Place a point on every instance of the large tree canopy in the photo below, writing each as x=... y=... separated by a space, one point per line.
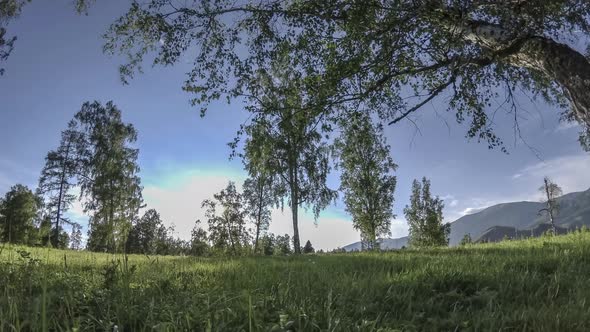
x=471 y=52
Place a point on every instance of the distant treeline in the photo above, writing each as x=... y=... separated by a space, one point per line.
x=95 y=163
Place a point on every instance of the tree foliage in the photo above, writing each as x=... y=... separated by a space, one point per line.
x=258 y=199
x=109 y=180
x=9 y=10
x=282 y=245
x=199 y=245
x=467 y=54
x=308 y=248
x=58 y=178
x=143 y=237
x=19 y=210
x=286 y=138
x=76 y=237
x=226 y=219
x=366 y=178
x=424 y=216
x=466 y=240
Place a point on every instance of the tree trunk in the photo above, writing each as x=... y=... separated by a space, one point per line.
x=229 y=233
x=559 y=62
x=569 y=68
x=60 y=195
x=259 y=216
x=294 y=209
x=257 y=231
x=294 y=187
x=550 y=206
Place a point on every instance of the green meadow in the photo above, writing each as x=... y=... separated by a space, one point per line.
x=532 y=285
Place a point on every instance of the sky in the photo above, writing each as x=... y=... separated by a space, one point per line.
x=58 y=64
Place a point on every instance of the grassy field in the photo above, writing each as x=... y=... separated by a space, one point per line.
x=534 y=285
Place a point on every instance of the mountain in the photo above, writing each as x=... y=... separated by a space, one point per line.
x=509 y=219
x=574 y=212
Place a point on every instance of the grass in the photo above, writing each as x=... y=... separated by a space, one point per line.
x=533 y=285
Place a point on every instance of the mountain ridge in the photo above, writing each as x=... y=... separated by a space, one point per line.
x=523 y=216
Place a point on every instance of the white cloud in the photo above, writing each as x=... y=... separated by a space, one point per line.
x=76 y=212
x=472 y=210
x=399 y=228
x=328 y=233
x=178 y=196
x=571 y=172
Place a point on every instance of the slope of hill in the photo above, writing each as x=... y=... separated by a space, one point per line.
x=507 y=219
x=499 y=233
x=574 y=212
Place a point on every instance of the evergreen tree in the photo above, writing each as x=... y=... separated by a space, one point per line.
x=226 y=219
x=109 y=179
x=57 y=177
x=308 y=248
x=551 y=192
x=424 y=216
x=366 y=178
x=19 y=210
x=76 y=237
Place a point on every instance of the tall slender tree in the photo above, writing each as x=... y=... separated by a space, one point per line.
x=259 y=198
x=109 y=179
x=425 y=218
x=366 y=179
x=551 y=191
x=288 y=130
x=58 y=177
x=76 y=237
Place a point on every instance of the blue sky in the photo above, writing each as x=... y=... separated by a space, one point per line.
x=58 y=64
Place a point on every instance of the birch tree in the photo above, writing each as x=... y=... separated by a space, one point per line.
x=226 y=220
x=289 y=132
x=109 y=179
x=551 y=191
x=366 y=179
x=258 y=199
x=466 y=54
